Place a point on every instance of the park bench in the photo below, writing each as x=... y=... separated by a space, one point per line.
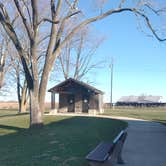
x=108 y=153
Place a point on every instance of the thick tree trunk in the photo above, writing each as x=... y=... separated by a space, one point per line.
x=36 y=116
x=50 y=59
x=44 y=79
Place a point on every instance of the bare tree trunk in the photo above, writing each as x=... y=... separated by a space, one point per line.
x=43 y=86
x=50 y=58
x=36 y=112
x=23 y=102
x=1 y=76
x=24 y=97
x=2 y=63
x=21 y=91
x=36 y=120
x=23 y=106
x=18 y=90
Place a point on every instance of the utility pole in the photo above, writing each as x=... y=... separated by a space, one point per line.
x=111 y=85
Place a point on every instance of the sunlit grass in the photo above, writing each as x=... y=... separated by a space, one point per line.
x=63 y=140
x=153 y=114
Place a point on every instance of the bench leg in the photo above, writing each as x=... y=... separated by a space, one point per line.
x=112 y=160
x=120 y=160
x=119 y=157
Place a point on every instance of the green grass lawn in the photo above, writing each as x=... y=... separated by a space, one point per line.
x=64 y=141
x=7 y=112
x=153 y=114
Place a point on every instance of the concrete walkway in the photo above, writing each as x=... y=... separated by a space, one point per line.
x=145 y=144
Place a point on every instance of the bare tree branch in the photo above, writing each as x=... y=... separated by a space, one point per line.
x=41 y=40
x=108 y=13
x=12 y=34
x=28 y=11
x=47 y=20
x=157 y=12
x=78 y=57
x=72 y=5
x=24 y=20
x=149 y=25
x=14 y=20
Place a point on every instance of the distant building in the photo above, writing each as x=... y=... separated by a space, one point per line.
x=142 y=100
x=77 y=97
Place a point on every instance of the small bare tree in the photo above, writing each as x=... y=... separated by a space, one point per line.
x=76 y=59
x=17 y=74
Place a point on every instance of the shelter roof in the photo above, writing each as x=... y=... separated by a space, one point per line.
x=76 y=82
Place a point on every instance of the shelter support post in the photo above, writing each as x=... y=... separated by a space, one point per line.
x=52 y=100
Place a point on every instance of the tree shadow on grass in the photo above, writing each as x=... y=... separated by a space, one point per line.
x=11 y=128
x=57 y=142
x=10 y=115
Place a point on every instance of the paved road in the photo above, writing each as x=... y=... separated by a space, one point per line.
x=145 y=144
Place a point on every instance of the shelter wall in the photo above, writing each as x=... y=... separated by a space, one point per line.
x=63 y=103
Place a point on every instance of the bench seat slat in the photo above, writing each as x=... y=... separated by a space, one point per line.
x=101 y=152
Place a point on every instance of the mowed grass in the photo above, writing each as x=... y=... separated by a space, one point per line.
x=6 y=112
x=64 y=141
x=153 y=114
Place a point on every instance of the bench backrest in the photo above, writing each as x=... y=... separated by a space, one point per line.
x=118 y=137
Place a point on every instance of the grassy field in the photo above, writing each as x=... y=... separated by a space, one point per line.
x=153 y=114
x=64 y=141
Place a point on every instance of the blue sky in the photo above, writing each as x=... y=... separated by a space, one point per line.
x=139 y=60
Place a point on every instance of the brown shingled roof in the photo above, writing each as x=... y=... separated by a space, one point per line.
x=87 y=86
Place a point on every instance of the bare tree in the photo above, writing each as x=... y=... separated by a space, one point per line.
x=59 y=15
x=21 y=84
x=14 y=74
x=76 y=59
